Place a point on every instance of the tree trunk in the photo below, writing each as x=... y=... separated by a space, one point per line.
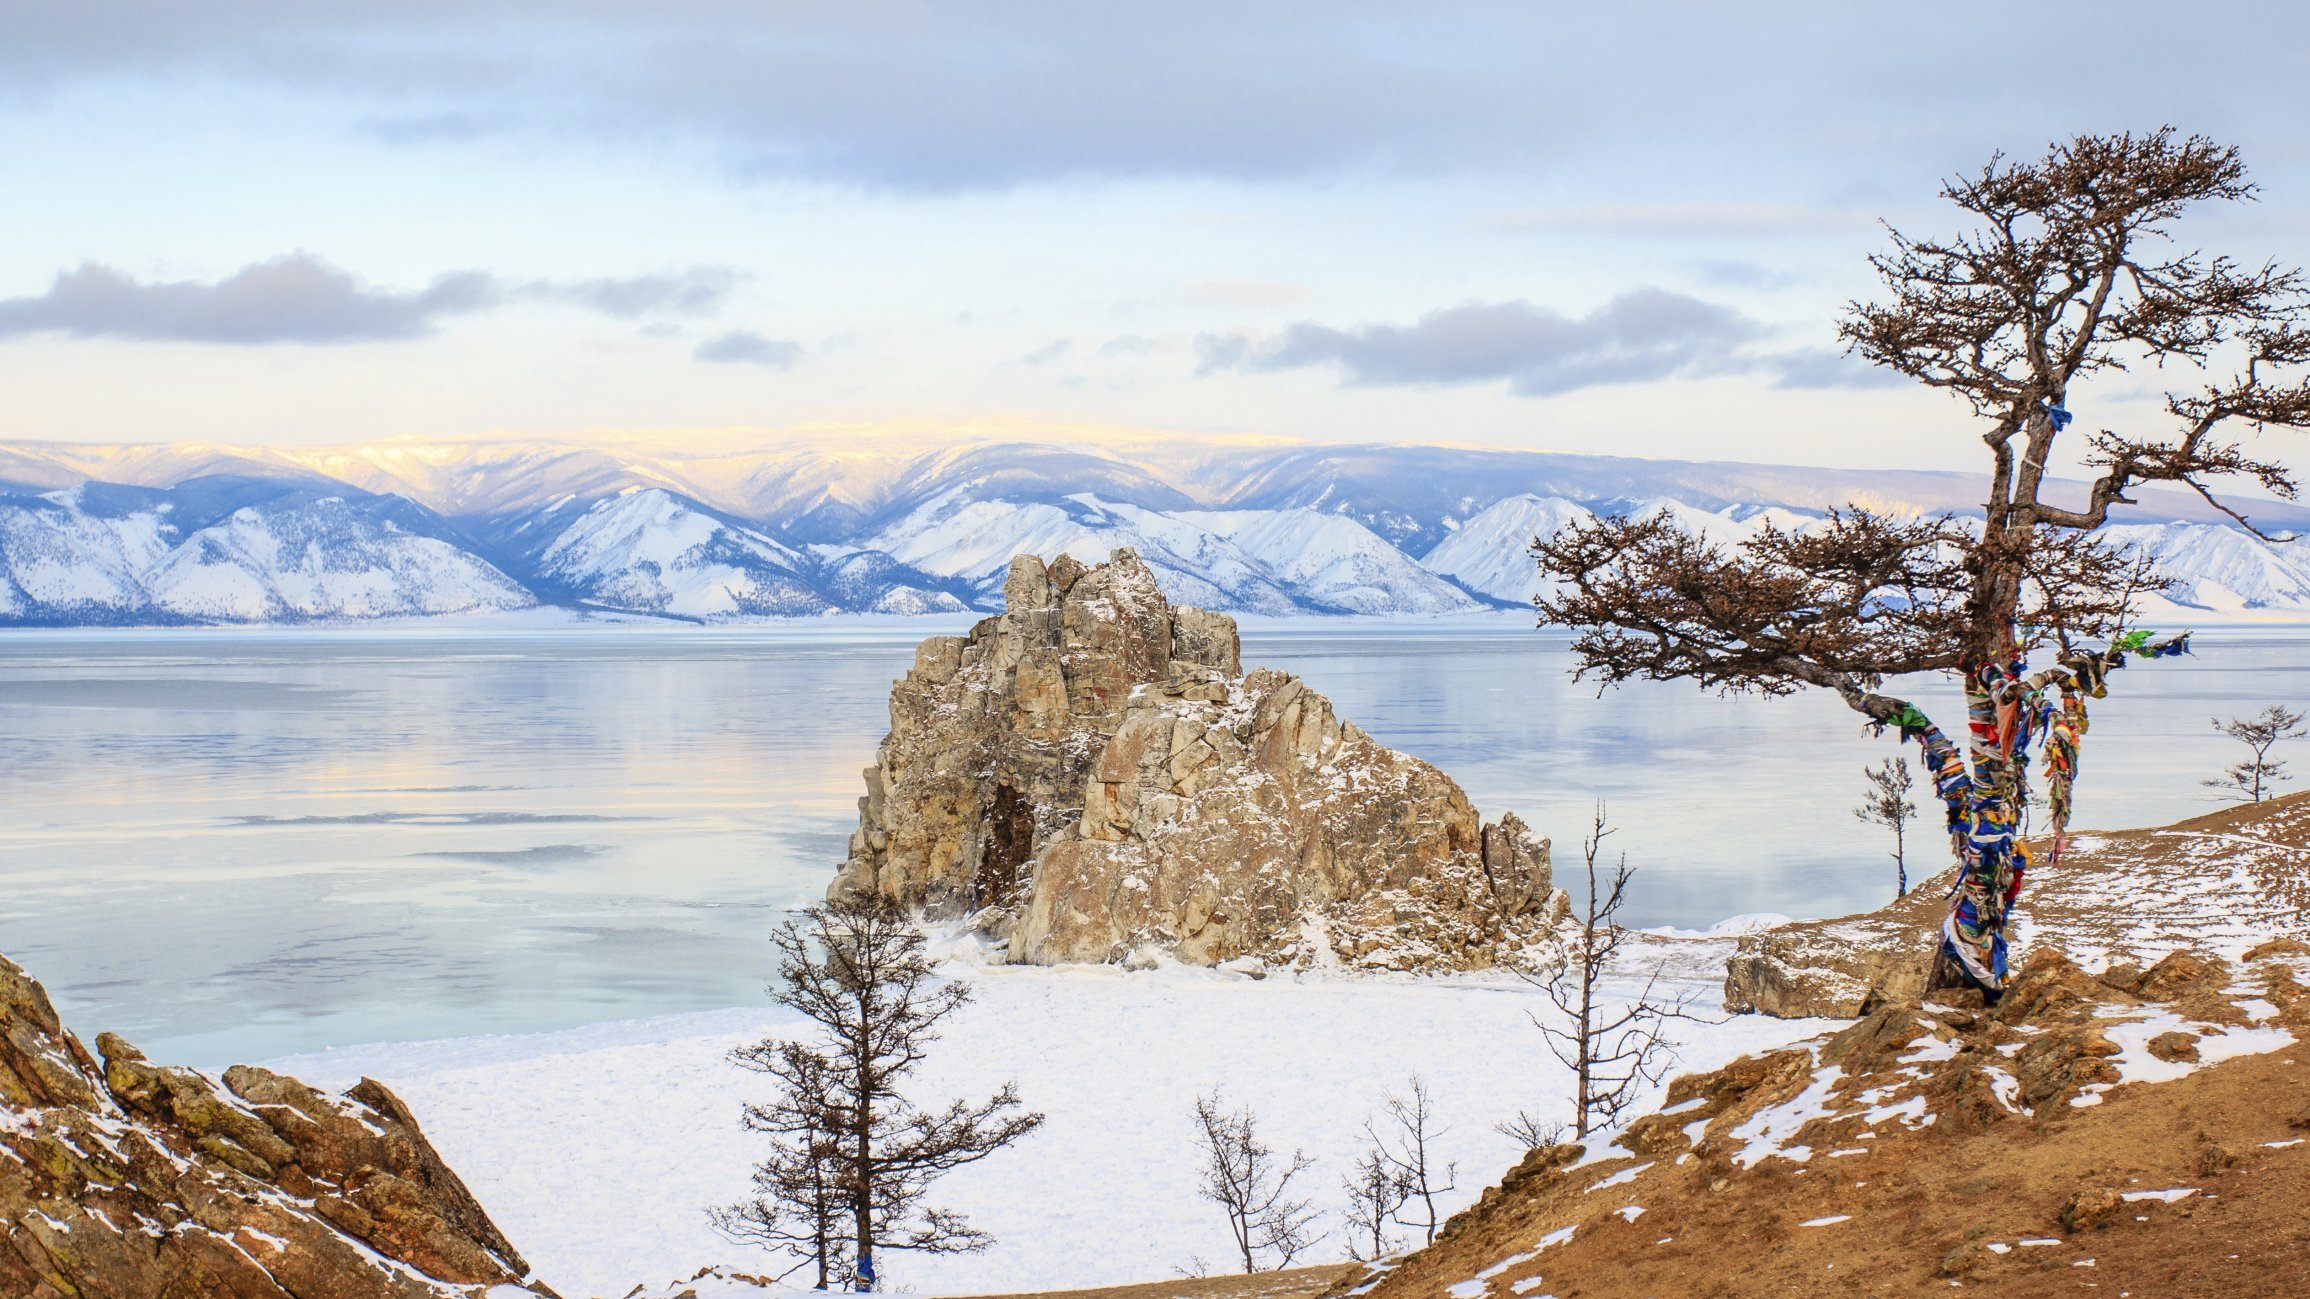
x=862 y=1201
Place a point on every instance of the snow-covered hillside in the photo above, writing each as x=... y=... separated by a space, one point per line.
x=109 y=555
x=821 y=527
x=645 y=549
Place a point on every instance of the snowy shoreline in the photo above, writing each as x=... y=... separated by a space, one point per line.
x=599 y=1149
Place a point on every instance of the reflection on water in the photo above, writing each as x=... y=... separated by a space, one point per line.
x=239 y=845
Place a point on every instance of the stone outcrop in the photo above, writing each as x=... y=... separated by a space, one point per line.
x=1840 y=968
x=1094 y=778
x=131 y=1180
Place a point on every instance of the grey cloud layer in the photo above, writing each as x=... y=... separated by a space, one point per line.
x=941 y=96
x=1645 y=335
x=744 y=347
x=301 y=299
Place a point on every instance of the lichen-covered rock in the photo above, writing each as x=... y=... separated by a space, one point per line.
x=1091 y=775
x=132 y=1180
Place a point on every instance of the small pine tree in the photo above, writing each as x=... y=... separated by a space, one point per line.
x=1887 y=804
x=853 y=1151
x=2258 y=776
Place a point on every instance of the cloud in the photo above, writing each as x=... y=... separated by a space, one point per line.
x=292 y=299
x=299 y=298
x=1643 y=335
x=743 y=347
x=1048 y=352
x=1126 y=345
x=916 y=96
x=1594 y=103
x=696 y=291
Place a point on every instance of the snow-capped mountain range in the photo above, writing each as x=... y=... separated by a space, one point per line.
x=840 y=523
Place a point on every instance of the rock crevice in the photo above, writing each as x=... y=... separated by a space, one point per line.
x=1094 y=778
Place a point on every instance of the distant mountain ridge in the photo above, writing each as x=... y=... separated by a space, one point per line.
x=198 y=533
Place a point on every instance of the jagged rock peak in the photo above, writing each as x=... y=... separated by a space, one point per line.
x=132 y=1180
x=1094 y=778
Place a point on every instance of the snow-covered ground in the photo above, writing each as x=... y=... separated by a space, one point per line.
x=599 y=1150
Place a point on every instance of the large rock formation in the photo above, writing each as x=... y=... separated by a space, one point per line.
x=1091 y=775
x=140 y=1181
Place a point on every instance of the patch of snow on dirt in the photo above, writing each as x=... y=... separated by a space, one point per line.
x=1768 y=1128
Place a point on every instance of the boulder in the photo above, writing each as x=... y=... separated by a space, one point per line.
x=1092 y=777
x=1838 y=969
x=140 y=1181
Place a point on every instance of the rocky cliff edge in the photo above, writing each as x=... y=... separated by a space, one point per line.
x=131 y=1180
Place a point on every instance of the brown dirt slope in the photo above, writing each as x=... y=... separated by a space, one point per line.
x=2219 y=883
x=1938 y=1146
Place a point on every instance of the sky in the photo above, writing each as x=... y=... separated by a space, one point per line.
x=1625 y=228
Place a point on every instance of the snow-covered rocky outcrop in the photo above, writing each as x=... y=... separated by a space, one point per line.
x=1092 y=777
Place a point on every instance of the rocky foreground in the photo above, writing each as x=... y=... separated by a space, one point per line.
x=2151 y=1125
x=2133 y=1117
x=2223 y=882
x=130 y=1180
x=1092 y=777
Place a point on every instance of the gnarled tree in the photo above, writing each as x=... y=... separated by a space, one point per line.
x=2065 y=272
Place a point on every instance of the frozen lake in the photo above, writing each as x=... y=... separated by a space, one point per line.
x=236 y=845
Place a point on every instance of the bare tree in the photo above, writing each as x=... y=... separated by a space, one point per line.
x=1245 y=1178
x=1530 y=1132
x=799 y=1204
x=1887 y=804
x=1403 y=1150
x=2254 y=779
x=2063 y=274
x=1613 y=1053
x=1375 y=1191
x=857 y=971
